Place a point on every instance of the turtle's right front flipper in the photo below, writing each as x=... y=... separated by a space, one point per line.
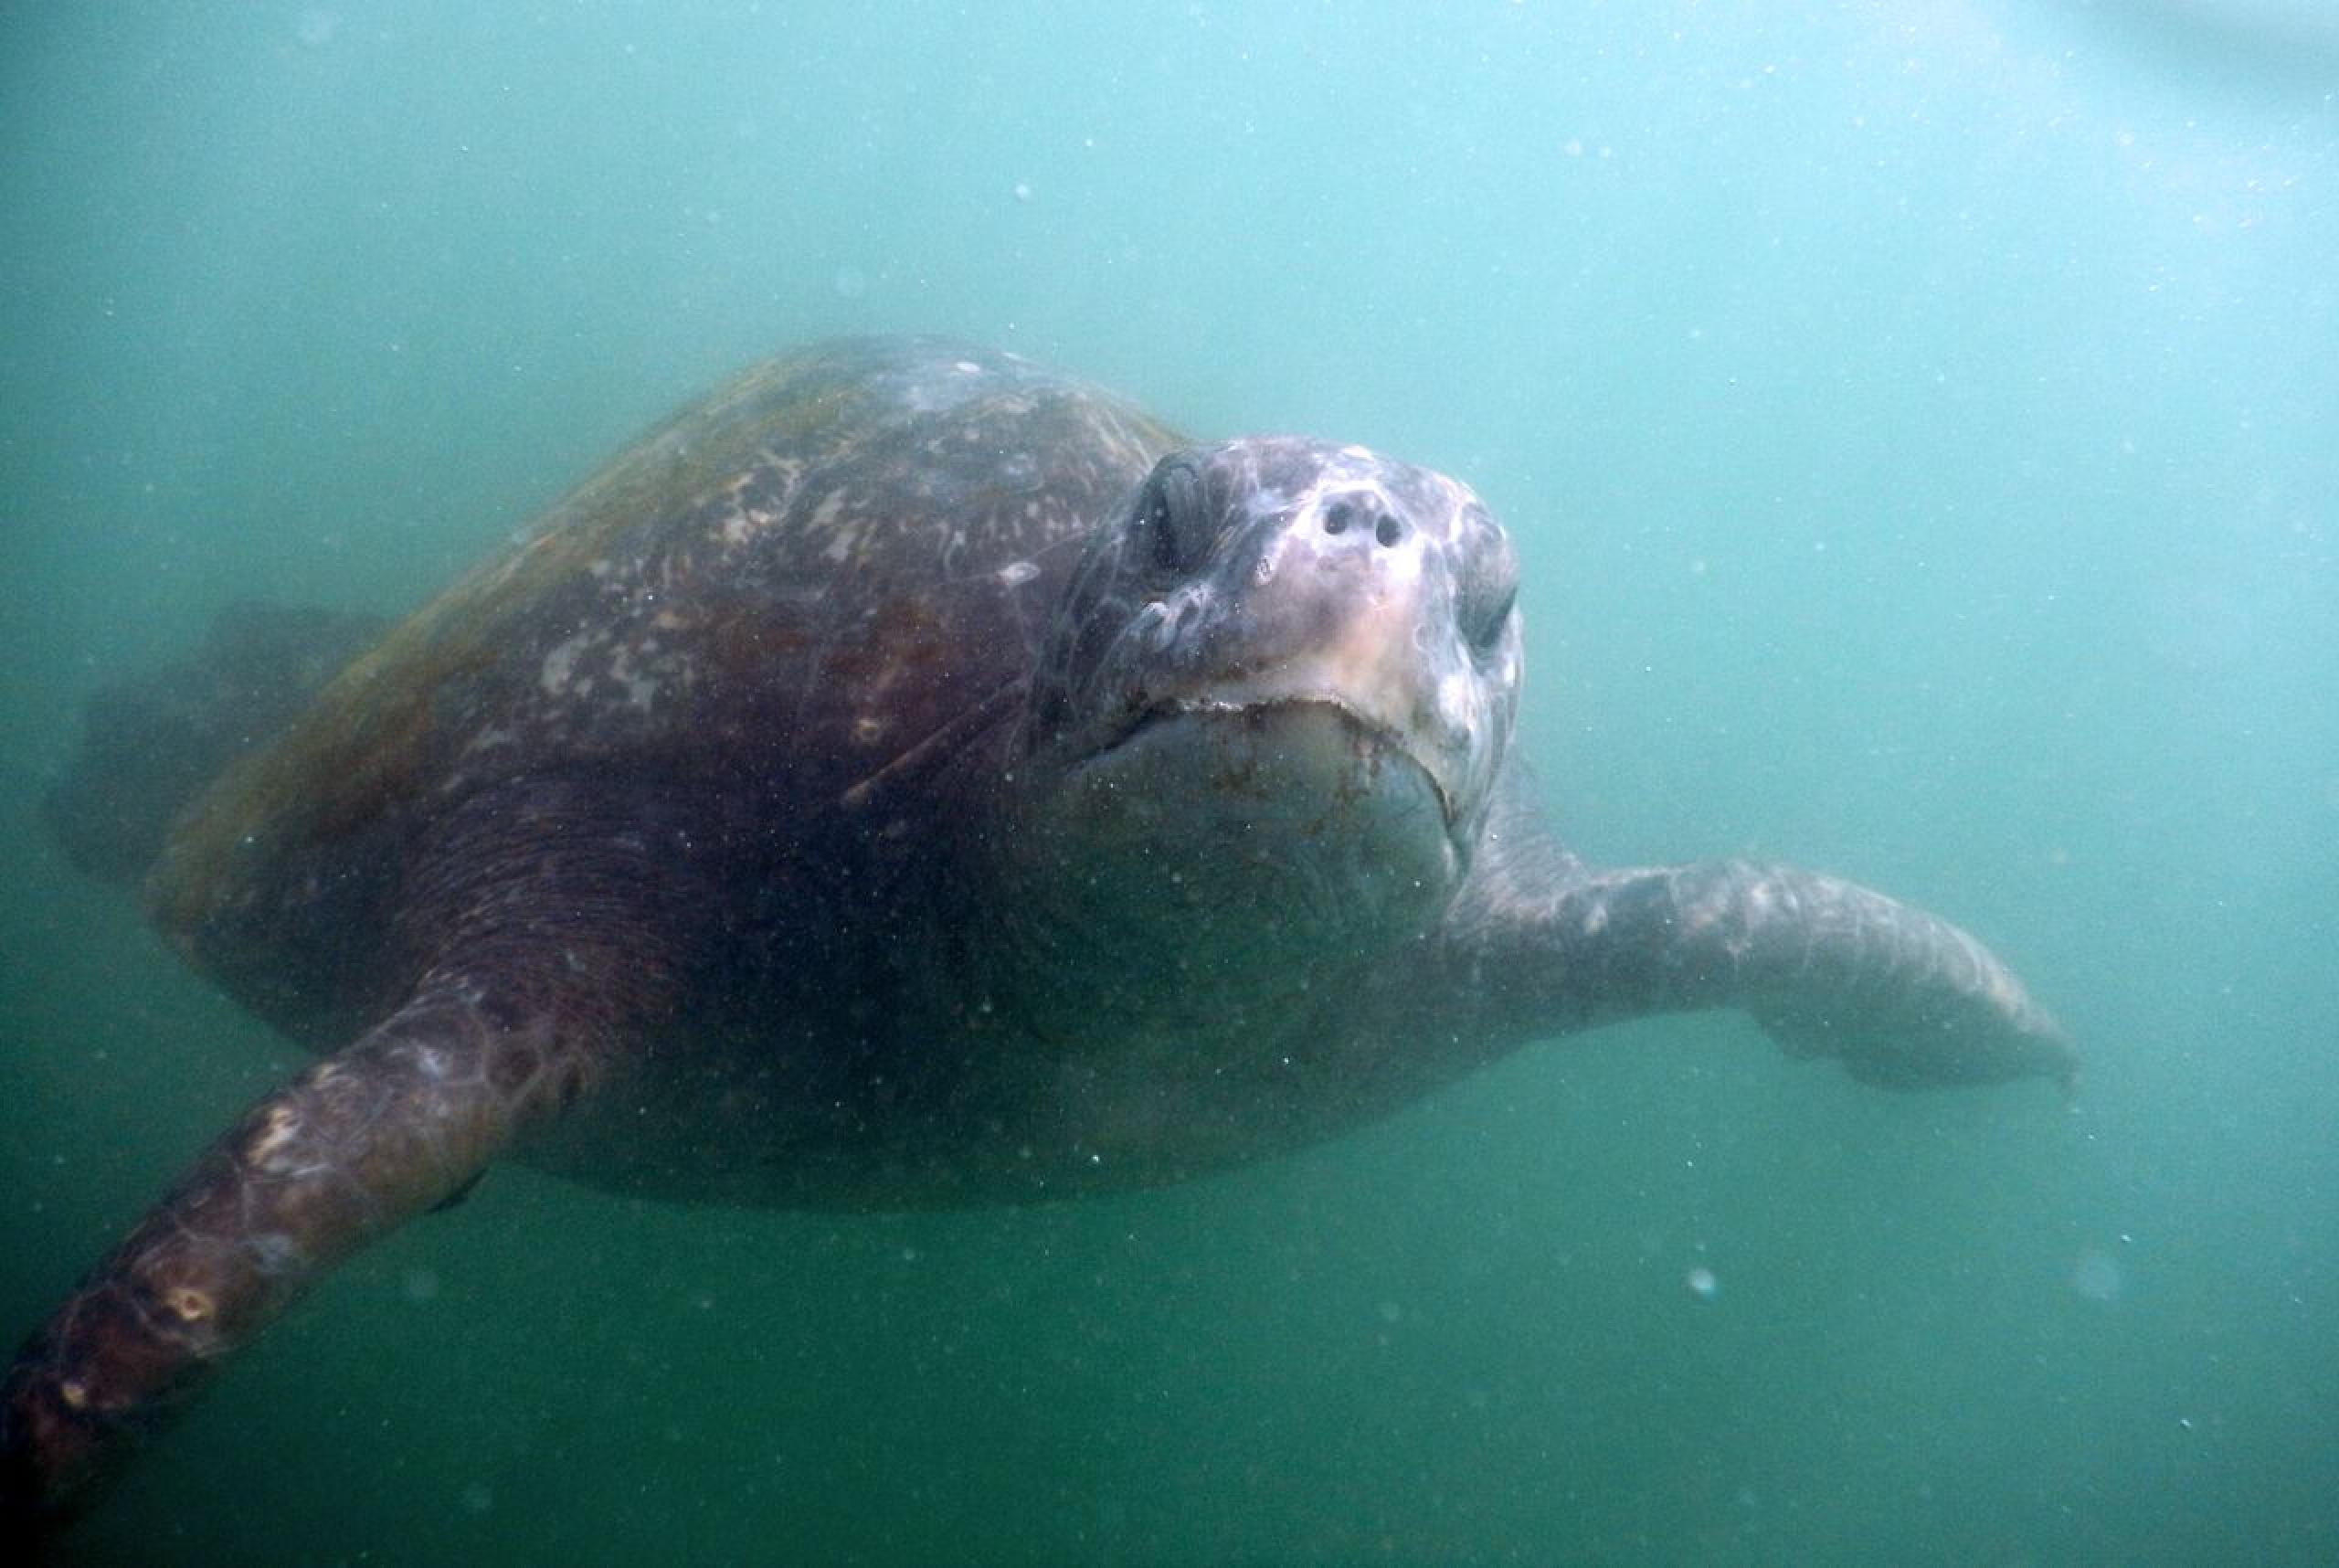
x=385 y=1129
x=556 y=943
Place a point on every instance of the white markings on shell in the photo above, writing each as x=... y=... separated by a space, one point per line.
x=641 y=688
x=744 y=525
x=560 y=665
x=844 y=539
x=774 y=477
x=630 y=655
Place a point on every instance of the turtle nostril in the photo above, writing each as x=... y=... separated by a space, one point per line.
x=1338 y=516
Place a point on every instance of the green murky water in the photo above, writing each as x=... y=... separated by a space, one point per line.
x=1920 y=425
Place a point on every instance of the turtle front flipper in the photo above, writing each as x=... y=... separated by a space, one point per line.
x=550 y=968
x=1827 y=968
x=397 y=1123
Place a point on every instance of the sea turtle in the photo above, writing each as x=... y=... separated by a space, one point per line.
x=909 y=777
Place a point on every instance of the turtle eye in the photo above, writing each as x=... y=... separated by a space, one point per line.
x=1489 y=588
x=1484 y=627
x=1172 y=516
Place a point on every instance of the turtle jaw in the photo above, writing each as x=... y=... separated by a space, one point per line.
x=1347 y=733
x=1301 y=787
x=1208 y=854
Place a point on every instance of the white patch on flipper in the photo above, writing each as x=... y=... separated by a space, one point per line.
x=266 y=1150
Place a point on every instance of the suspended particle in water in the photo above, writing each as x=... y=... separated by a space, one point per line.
x=852 y=282
x=1700 y=1283
x=2096 y=1275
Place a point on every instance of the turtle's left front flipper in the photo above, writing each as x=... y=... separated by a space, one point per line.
x=1828 y=968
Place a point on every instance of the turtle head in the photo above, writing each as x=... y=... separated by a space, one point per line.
x=1286 y=670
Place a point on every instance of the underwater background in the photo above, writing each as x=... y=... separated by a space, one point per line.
x=1920 y=425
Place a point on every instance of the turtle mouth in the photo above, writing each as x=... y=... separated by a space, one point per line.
x=1369 y=743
